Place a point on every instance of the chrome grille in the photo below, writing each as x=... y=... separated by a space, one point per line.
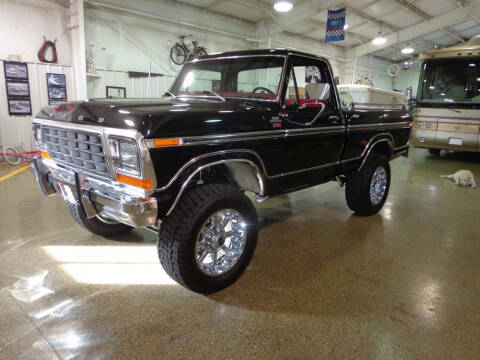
x=78 y=149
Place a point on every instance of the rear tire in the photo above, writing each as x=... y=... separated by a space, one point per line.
x=434 y=152
x=367 y=190
x=200 y=52
x=191 y=238
x=98 y=225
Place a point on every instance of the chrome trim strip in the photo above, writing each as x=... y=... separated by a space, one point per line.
x=187 y=181
x=247 y=136
x=305 y=170
x=212 y=57
x=282 y=78
x=402 y=147
x=265 y=173
x=223 y=152
x=380 y=126
x=370 y=150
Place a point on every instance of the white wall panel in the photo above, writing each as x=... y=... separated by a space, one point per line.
x=16 y=130
x=135 y=87
x=23 y=24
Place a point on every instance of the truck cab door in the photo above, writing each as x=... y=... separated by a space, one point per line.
x=315 y=128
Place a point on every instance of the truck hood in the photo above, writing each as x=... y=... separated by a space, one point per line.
x=166 y=117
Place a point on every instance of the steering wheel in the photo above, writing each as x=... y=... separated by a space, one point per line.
x=268 y=91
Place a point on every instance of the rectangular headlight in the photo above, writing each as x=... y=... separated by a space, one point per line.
x=125 y=155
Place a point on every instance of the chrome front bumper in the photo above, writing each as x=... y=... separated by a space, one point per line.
x=94 y=197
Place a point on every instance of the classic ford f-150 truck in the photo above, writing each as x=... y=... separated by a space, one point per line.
x=267 y=122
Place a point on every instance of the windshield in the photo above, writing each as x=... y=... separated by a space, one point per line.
x=250 y=77
x=450 y=83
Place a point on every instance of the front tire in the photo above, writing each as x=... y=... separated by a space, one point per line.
x=178 y=54
x=209 y=239
x=98 y=225
x=367 y=190
x=434 y=152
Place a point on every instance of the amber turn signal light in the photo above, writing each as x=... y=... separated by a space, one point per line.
x=415 y=125
x=166 y=142
x=45 y=154
x=140 y=183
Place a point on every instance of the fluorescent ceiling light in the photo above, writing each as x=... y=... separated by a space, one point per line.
x=379 y=40
x=408 y=50
x=283 y=5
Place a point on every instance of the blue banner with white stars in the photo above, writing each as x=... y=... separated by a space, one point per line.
x=335 y=25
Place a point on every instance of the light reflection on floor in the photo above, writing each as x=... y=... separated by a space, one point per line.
x=114 y=265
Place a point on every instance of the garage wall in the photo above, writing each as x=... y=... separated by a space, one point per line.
x=408 y=78
x=110 y=40
x=120 y=42
x=375 y=69
x=25 y=39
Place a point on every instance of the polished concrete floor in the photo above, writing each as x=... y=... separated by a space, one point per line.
x=323 y=284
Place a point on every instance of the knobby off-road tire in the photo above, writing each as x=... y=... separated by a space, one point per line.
x=367 y=190
x=184 y=234
x=97 y=225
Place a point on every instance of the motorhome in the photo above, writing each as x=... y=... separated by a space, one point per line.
x=448 y=99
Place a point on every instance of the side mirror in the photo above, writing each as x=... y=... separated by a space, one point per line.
x=320 y=91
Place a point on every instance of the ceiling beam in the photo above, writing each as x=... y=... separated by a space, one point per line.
x=412 y=8
x=381 y=24
x=451 y=18
x=215 y=3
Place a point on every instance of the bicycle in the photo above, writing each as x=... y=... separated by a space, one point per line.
x=15 y=155
x=180 y=52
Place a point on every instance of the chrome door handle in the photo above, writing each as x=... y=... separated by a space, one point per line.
x=333 y=119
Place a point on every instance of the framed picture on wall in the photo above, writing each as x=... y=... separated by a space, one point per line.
x=116 y=92
x=57 y=92
x=19 y=107
x=56 y=80
x=18 y=88
x=15 y=70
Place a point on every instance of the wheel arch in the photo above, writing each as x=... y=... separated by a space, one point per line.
x=245 y=173
x=382 y=146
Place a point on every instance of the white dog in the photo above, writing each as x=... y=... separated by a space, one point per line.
x=462 y=178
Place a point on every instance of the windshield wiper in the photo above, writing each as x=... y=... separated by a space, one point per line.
x=168 y=93
x=214 y=93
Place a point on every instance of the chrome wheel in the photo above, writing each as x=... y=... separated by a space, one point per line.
x=221 y=242
x=378 y=185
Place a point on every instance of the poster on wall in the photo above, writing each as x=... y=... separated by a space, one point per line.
x=15 y=70
x=18 y=88
x=57 y=88
x=116 y=92
x=19 y=107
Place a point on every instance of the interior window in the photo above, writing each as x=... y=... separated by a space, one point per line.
x=263 y=81
x=307 y=81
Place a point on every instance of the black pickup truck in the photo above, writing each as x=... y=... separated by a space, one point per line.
x=267 y=122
